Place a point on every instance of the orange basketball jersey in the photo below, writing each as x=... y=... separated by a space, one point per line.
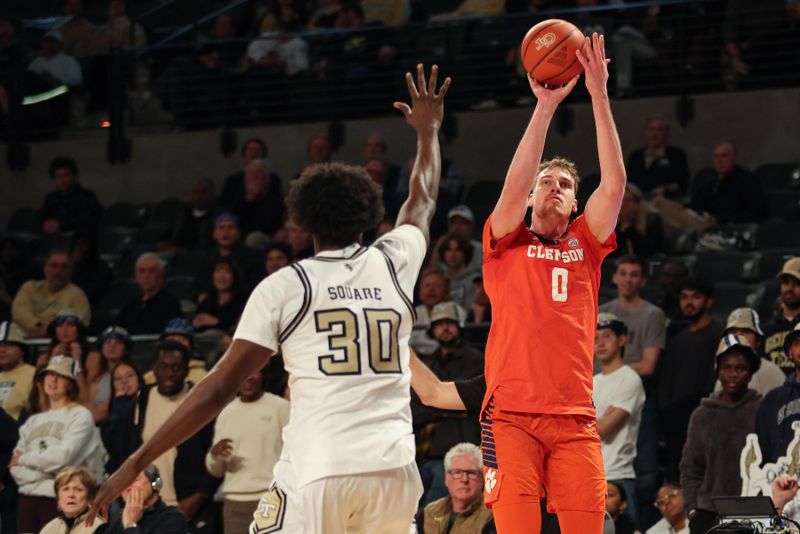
x=544 y=316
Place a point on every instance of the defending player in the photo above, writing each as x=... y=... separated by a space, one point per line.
x=543 y=283
x=342 y=320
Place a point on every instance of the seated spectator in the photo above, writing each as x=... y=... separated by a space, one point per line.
x=71 y=207
x=657 y=168
x=744 y=323
x=717 y=432
x=291 y=12
x=221 y=306
x=149 y=312
x=460 y=222
x=728 y=193
x=673 y=273
x=53 y=65
x=776 y=416
x=456 y=253
x=195 y=226
x=126 y=383
x=318 y=150
x=300 y=241
x=247 y=472
x=144 y=511
x=787 y=318
x=76 y=31
x=228 y=245
x=39 y=301
x=261 y=209
x=462 y=509
x=669 y=502
x=278 y=52
x=89 y=272
x=180 y=330
x=481 y=309
x=68 y=338
x=16 y=376
x=186 y=484
x=434 y=288
x=233 y=187
x=437 y=431
x=223 y=36
x=277 y=255
x=75 y=489
x=388 y=12
x=686 y=369
x=374 y=149
x=118 y=32
x=114 y=345
x=616 y=506
x=618 y=397
x=62 y=435
x=639 y=228
x=326 y=15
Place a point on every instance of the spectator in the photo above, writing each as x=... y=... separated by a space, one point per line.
x=616 y=506
x=277 y=255
x=144 y=509
x=670 y=503
x=291 y=12
x=462 y=510
x=89 y=272
x=228 y=245
x=717 y=432
x=438 y=431
x=149 y=312
x=789 y=316
x=185 y=481
x=53 y=65
x=126 y=383
x=16 y=376
x=318 y=150
x=39 y=301
x=223 y=36
x=744 y=323
x=777 y=415
x=728 y=193
x=75 y=489
x=481 y=309
x=657 y=168
x=180 y=330
x=300 y=242
x=76 y=31
x=247 y=472
x=456 y=253
x=381 y=173
x=640 y=230
x=686 y=369
x=277 y=53
x=672 y=276
x=221 y=306
x=434 y=288
x=388 y=12
x=62 y=435
x=71 y=207
x=375 y=148
x=118 y=32
x=115 y=346
x=618 y=398
x=325 y=16
x=261 y=209
x=461 y=222
x=9 y=435
x=233 y=187
x=195 y=226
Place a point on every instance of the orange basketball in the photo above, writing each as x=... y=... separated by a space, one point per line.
x=548 y=52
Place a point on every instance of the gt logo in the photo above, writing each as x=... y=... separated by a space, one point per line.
x=268 y=517
x=490 y=481
x=545 y=41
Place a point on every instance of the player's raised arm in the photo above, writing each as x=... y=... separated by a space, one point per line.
x=603 y=205
x=432 y=391
x=513 y=201
x=201 y=405
x=425 y=116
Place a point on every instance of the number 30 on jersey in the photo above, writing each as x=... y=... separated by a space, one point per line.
x=381 y=343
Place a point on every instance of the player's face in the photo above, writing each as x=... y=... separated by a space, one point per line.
x=553 y=194
x=790 y=291
x=464 y=479
x=734 y=373
x=694 y=303
x=669 y=502
x=752 y=338
x=607 y=344
x=614 y=503
x=629 y=279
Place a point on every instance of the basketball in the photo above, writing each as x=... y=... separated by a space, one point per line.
x=548 y=52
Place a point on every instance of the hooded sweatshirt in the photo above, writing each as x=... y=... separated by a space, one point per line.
x=714 y=443
x=780 y=408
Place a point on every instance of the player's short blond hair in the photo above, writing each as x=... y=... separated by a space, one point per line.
x=559 y=162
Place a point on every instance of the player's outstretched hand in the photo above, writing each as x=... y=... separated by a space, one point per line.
x=427 y=104
x=592 y=56
x=113 y=488
x=551 y=96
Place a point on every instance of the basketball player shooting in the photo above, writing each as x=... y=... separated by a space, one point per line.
x=539 y=424
x=342 y=321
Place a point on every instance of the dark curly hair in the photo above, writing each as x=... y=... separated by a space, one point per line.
x=335 y=202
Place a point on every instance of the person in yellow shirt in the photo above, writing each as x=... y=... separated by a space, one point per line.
x=16 y=376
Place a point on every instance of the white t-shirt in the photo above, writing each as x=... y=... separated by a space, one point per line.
x=342 y=320
x=663 y=527
x=622 y=389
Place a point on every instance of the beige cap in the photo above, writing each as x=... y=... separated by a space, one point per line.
x=744 y=318
x=791 y=267
x=63 y=366
x=444 y=311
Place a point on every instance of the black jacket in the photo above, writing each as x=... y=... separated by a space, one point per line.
x=76 y=210
x=149 y=316
x=672 y=167
x=158 y=519
x=779 y=409
x=737 y=198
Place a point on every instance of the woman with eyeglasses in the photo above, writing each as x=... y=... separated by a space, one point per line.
x=669 y=501
x=126 y=383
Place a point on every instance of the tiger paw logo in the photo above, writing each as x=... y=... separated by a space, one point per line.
x=490 y=480
x=545 y=41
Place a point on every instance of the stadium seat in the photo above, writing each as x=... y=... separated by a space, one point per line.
x=656 y=265
x=117 y=296
x=773 y=259
x=778 y=234
x=125 y=214
x=779 y=201
x=115 y=241
x=728 y=266
x=167 y=212
x=731 y=295
x=777 y=175
x=481 y=197
x=180 y=287
x=23 y=221
x=185 y=264
x=49 y=242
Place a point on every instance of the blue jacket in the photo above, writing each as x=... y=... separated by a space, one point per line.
x=779 y=409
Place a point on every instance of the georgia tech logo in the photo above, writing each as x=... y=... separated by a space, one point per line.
x=545 y=41
x=490 y=481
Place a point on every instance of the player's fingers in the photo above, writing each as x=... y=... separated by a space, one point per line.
x=582 y=58
x=570 y=84
x=444 y=88
x=402 y=106
x=412 y=89
x=596 y=47
x=423 y=89
x=603 y=47
x=432 y=80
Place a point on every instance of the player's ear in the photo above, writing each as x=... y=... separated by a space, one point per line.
x=575 y=205
x=529 y=203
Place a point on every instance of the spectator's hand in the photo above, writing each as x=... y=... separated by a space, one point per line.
x=784 y=488
x=50 y=226
x=223 y=448
x=191 y=505
x=75 y=352
x=202 y=320
x=595 y=64
x=134 y=507
x=62 y=349
x=15 y=459
x=427 y=106
x=113 y=488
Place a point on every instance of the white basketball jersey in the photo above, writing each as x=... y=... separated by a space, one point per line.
x=342 y=320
